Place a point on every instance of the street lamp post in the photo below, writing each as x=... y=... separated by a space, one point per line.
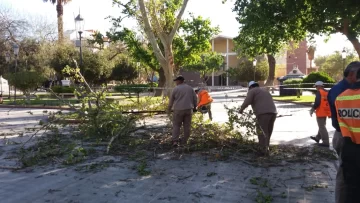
x=16 y=53
x=343 y=56
x=254 y=64
x=7 y=58
x=79 y=25
x=138 y=69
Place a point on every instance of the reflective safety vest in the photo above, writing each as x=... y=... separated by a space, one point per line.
x=348 y=110
x=324 y=109
x=204 y=98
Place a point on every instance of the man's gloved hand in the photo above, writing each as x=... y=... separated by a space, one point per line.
x=194 y=110
x=311 y=112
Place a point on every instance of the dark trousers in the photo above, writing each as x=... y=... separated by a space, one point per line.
x=350 y=157
x=265 y=126
x=208 y=107
x=182 y=118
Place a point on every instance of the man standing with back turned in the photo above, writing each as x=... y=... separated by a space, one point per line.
x=322 y=110
x=348 y=109
x=337 y=142
x=183 y=100
x=264 y=108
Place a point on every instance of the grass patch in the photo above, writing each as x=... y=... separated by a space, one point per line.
x=41 y=102
x=302 y=99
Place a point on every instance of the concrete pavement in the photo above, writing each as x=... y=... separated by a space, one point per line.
x=193 y=178
x=294 y=127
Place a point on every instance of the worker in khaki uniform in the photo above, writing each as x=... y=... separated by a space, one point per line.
x=264 y=108
x=322 y=110
x=337 y=141
x=204 y=101
x=348 y=109
x=183 y=101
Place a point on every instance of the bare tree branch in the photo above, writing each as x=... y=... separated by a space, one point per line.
x=178 y=20
x=150 y=34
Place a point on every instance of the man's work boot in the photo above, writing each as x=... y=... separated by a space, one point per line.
x=315 y=139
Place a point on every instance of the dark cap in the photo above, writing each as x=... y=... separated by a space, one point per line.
x=352 y=67
x=180 y=78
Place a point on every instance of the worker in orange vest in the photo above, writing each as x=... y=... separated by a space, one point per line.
x=348 y=110
x=204 y=102
x=322 y=110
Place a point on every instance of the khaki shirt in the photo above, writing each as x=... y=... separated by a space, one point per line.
x=260 y=100
x=183 y=97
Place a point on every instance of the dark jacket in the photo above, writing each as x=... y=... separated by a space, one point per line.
x=333 y=93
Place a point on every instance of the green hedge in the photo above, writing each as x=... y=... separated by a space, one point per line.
x=62 y=89
x=318 y=76
x=133 y=88
x=293 y=82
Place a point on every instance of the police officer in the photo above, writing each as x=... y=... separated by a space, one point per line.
x=337 y=141
x=348 y=112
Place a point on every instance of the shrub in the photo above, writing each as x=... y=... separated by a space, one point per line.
x=309 y=81
x=26 y=81
x=61 y=89
x=134 y=88
x=152 y=86
x=294 y=83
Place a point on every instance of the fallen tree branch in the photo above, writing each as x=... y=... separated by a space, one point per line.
x=10 y=167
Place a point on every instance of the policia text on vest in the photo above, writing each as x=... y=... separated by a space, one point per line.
x=349 y=113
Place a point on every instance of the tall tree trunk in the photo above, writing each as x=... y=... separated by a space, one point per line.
x=162 y=81
x=169 y=70
x=60 y=12
x=355 y=42
x=272 y=65
x=166 y=60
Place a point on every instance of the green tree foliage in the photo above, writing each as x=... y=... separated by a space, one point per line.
x=190 y=41
x=245 y=71
x=96 y=68
x=313 y=16
x=263 y=30
x=26 y=81
x=334 y=65
x=193 y=41
x=313 y=77
x=124 y=72
x=320 y=60
x=209 y=62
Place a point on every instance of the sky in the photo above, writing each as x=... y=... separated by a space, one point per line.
x=95 y=11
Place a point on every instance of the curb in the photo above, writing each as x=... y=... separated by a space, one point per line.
x=291 y=102
x=33 y=107
x=282 y=101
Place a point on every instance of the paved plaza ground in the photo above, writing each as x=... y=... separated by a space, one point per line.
x=192 y=178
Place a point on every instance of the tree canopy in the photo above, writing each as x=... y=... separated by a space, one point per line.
x=209 y=62
x=294 y=18
x=247 y=72
x=191 y=39
x=334 y=65
x=266 y=27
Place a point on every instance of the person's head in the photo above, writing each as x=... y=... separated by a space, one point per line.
x=253 y=84
x=350 y=72
x=179 y=80
x=319 y=85
x=197 y=91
